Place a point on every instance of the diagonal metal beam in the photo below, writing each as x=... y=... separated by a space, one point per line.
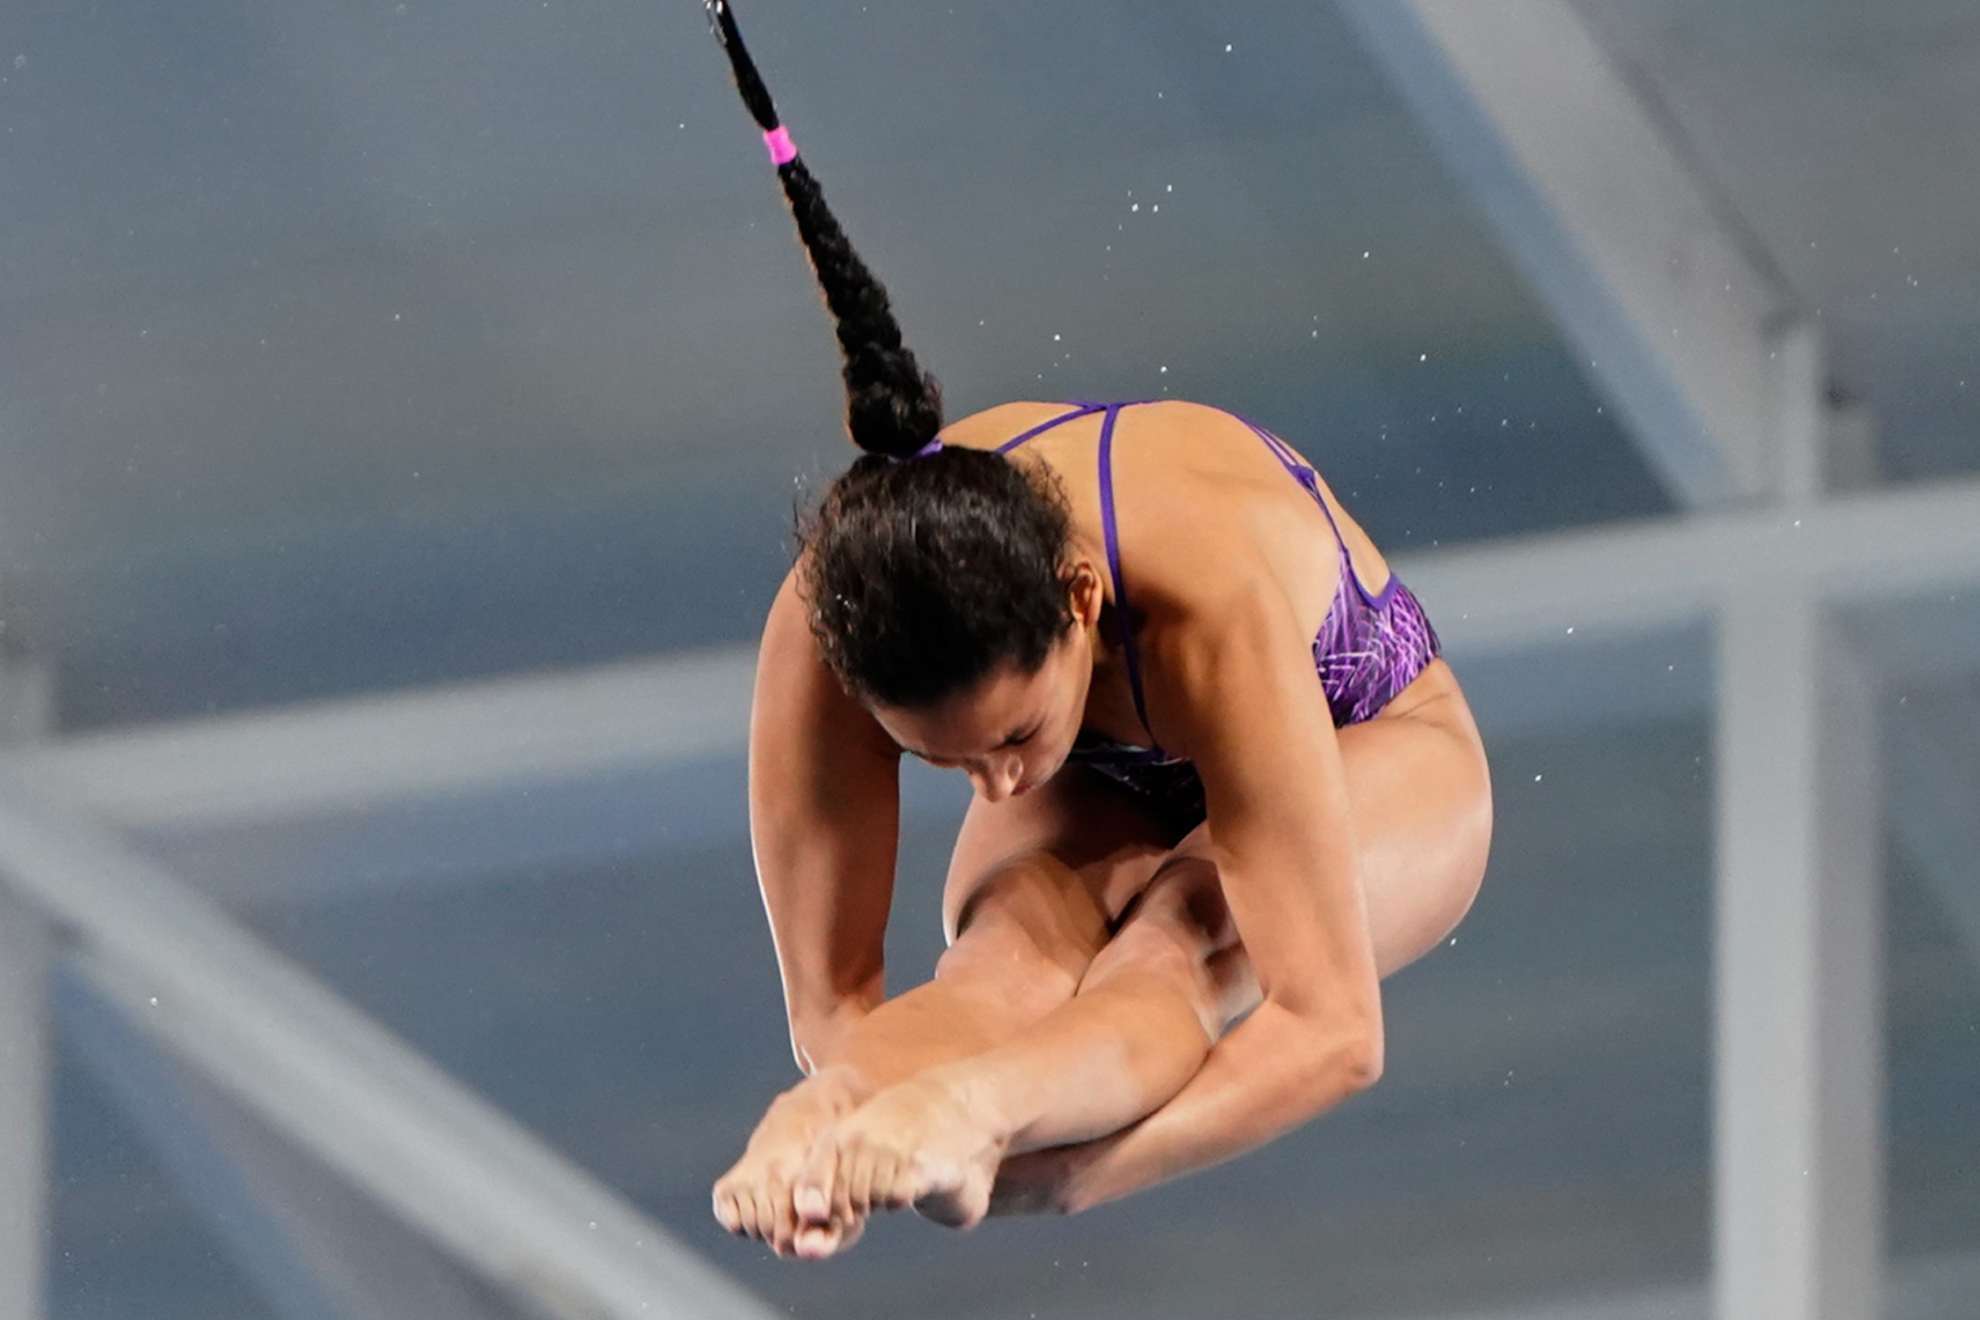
x=1656 y=280
x=341 y=1087
x=318 y=1249
x=1674 y=307
x=154 y=1099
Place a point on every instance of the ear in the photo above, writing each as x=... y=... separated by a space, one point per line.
x=1085 y=593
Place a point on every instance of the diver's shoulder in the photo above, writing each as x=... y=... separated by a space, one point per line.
x=989 y=427
x=992 y=426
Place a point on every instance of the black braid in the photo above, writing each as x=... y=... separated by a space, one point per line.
x=893 y=407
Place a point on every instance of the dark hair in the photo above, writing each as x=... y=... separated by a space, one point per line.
x=920 y=575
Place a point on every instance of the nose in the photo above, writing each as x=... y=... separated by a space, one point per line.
x=998 y=782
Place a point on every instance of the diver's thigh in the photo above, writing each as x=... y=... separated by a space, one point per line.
x=1420 y=796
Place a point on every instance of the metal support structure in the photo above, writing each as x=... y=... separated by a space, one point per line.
x=1673 y=306
x=1685 y=322
x=153 y=1096
x=317 y=1249
x=1798 y=965
x=26 y=952
x=362 y=752
x=342 y=1088
x=527 y=733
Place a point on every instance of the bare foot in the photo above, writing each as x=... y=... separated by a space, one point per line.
x=753 y=1199
x=917 y=1143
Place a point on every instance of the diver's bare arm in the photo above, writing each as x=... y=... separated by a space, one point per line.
x=1281 y=839
x=824 y=799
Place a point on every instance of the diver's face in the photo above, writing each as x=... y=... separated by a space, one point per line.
x=1009 y=733
x=1012 y=731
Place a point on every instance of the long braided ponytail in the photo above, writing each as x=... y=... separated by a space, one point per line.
x=918 y=578
x=893 y=407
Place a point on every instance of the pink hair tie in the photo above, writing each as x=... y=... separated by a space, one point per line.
x=782 y=150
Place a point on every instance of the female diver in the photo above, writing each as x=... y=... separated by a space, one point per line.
x=1177 y=822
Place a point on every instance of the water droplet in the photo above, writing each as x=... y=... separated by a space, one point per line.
x=21 y=62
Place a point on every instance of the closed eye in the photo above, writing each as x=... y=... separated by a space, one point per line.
x=1015 y=740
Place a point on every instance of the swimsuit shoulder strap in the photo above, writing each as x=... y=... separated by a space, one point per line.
x=1308 y=478
x=1079 y=410
x=1111 y=527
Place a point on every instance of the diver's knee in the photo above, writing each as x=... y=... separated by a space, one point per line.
x=1026 y=933
x=1174 y=936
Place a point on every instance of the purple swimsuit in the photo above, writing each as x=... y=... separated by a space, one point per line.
x=1369 y=647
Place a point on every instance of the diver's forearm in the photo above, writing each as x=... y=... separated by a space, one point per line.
x=1264 y=1079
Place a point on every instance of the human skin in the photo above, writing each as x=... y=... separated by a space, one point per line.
x=1331 y=857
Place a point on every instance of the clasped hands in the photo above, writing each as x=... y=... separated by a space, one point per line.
x=832 y=1150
